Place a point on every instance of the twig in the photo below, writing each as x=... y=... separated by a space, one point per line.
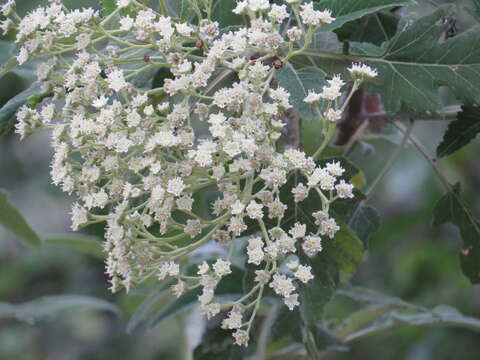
x=355 y=137
x=421 y=149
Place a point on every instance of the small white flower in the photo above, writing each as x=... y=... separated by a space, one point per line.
x=291 y=301
x=79 y=216
x=330 y=93
x=116 y=81
x=258 y=5
x=254 y=210
x=183 y=29
x=304 y=273
x=168 y=269
x=282 y=285
x=312 y=245
x=211 y=309
x=333 y=115
x=8 y=8
x=203 y=268
x=126 y=23
x=241 y=337
x=314 y=17
x=335 y=168
x=278 y=13
x=344 y=190
x=233 y=321
x=222 y=268
x=176 y=186
x=362 y=72
x=329 y=227
x=294 y=33
x=312 y=97
x=298 y=230
x=178 y=289
x=255 y=250
x=22 y=56
x=241 y=7
x=123 y=3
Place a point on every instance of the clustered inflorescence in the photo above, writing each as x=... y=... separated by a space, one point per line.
x=136 y=158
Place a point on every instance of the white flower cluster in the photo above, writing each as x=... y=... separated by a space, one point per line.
x=137 y=158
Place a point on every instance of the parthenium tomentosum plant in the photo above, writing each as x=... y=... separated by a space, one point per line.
x=141 y=159
x=143 y=162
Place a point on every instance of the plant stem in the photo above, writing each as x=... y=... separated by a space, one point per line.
x=421 y=149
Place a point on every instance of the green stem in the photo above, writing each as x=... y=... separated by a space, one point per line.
x=329 y=134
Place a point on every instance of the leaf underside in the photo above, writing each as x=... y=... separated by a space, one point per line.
x=460 y=131
x=48 y=306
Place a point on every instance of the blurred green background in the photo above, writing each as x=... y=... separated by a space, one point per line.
x=407 y=258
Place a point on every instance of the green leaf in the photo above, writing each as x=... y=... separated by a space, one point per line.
x=174 y=7
x=361 y=318
x=326 y=41
x=451 y=208
x=87 y=244
x=385 y=312
x=365 y=221
x=48 y=306
x=8 y=59
x=7 y=112
x=374 y=28
x=222 y=12
x=345 y=250
x=286 y=324
x=218 y=344
x=160 y=76
x=476 y=10
x=344 y=208
x=175 y=307
x=326 y=340
x=349 y=10
x=368 y=49
x=342 y=253
x=416 y=63
x=318 y=292
x=144 y=310
x=107 y=7
x=13 y=221
x=8 y=66
x=297 y=82
x=460 y=131
x=441 y=315
x=372 y=297
x=186 y=11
